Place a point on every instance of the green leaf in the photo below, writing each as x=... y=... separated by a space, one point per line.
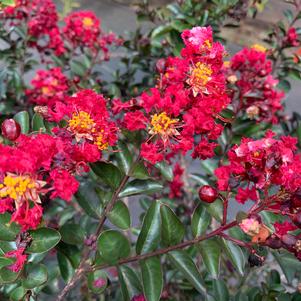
x=5 y=261
x=113 y=245
x=108 y=173
x=201 y=220
x=7 y=276
x=152 y=278
x=120 y=216
x=95 y=276
x=23 y=119
x=149 y=236
x=289 y=264
x=124 y=157
x=37 y=123
x=72 y=234
x=235 y=255
x=172 y=228
x=215 y=209
x=210 y=251
x=140 y=187
x=160 y=31
x=35 y=275
x=220 y=290
x=184 y=263
x=78 y=68
x=166 y=170
x=140 y=172
x=18 y=294
x=8 y=231
x=65 y=266
x=43 y=239
x=90 y=204
x=129 y=282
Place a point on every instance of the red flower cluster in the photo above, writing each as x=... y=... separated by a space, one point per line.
x=29 y=170
x=49 y=86
x=250 y=73
x=82 y=29
x=89 y=129
x=258 y=165
x=42 y=19
x=291 y=38
x=181 y=112
x=176 y=184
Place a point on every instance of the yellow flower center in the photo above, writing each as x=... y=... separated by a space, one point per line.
x=207 y=44
x=199 y=77
x=259 y=48
x=81 y=122
x=16 y=187
x=88 y=22
x=162 y=124
x=45 y=90
x=100 y=142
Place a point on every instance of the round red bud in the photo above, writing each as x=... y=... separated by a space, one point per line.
x=289 y=240
x=11 y=129
x=208 y=194
x=273 y=242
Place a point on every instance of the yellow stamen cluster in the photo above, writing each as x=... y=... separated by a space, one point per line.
x=207 y=44
x=162 y=124
x=100 y=142
x=16 y=187
x=88 y=22
x=45 y=91
x=81 y=122
x=259 y=47
x=200 y=75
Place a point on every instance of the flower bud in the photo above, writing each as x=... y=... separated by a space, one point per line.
x=10 y=129
x=252 y=112
x=273 y=242
x=297 y=219
x=208 y=194
x=161 y=65
x=289 y=240
x=232 y=79
x=262 y=73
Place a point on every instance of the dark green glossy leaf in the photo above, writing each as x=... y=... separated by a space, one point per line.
x=35 y=275
x=43 y=239
x=94 y=276
x=120 y=216
x=72 y=234
x=23 y=119
x=215 y=209
x=8 y=231
x=140 y=172
x=7 y=276
x=220 y=290
x=288 y=263
x=78 y=68
x=201 y=220
x=166 y=170
x=108 y=173
x=152 y=278
x=141 y=187
x=37 y=123
x=149 y=236
x=211 y=251
x=129 y=282
x=172 y=228
x=65 y=266
x=18 y=294
x=235 y=254
x=184 y=263
x=124 y=157
x=113 y=245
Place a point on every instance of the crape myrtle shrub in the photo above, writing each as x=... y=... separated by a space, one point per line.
x=75 y=163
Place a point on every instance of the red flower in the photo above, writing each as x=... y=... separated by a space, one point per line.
x=176 y=184
x=49 y=86
x=150 y=153
x=20 y=259
x=187 y=99
x=82 y=29
x=283 y=228
x=258 y=96
x=292 y=37
x=63 y=183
